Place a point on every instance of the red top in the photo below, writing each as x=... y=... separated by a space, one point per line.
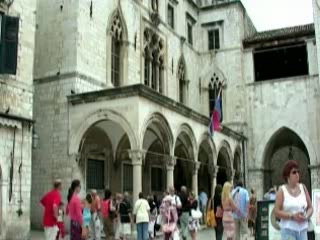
x=74 y=209
x=48 y=201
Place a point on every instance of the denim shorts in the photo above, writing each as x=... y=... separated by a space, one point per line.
x=287 y=234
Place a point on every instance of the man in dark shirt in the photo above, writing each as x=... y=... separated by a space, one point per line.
x=125 y=211
x=184 y=213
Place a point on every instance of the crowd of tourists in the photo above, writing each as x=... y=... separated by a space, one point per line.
x=177 y=216
x=232 y=212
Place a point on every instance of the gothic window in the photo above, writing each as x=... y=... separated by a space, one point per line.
x=154 y=5
x=215 y=85
x=116 y=48
x=153 y=61
x=146 y=67
x=182 y=82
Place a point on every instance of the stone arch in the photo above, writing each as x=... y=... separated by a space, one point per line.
x=121 y=23
x=207 y=159
x=117 y=49
x=224 y=162
x=283 y=145
x=185 y=128
x=225 y=145
x=273 y=128
x=208 y=138
x=94 y=117
x=162 y=123
x=217 y=73
x=212 y=82
x=185 y=151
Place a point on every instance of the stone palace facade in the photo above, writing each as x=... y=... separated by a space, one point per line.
x=122 y=93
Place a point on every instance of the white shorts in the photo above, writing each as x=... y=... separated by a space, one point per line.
x=50 y=233
x=125 y=229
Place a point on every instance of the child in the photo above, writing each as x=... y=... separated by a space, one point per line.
x=60 y=222
x=86 y=214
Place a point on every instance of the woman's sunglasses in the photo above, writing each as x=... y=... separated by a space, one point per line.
x=294 y=172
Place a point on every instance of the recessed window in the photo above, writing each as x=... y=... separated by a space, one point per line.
x=214 y=39
x=9 y=32
x=190 y=34
x=95 y=174
x=281 y=62
x=171 y=16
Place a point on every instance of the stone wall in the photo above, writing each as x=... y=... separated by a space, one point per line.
x=16 y=96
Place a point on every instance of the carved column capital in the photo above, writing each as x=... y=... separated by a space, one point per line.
x=137 y=156
x=196 y=166
x=171 y=160
x=213 y=170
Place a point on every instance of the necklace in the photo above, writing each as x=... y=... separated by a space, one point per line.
x=294 y=190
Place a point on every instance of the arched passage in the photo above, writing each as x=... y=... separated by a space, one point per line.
x=205 y=157
x=285 y=144
x=224 y=163
x=185 y=152
x=103 y=152
x=157 y=142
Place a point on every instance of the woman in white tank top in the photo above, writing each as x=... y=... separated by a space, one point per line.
x=293 y=204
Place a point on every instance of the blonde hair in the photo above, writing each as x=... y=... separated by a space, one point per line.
x=226 y=191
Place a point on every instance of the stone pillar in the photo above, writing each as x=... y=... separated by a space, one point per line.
x=195 y=178
x=213 y=170
x=233 y=172
x=137 y=158
x=171 y=162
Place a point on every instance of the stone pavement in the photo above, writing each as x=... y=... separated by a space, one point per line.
x=206 y=234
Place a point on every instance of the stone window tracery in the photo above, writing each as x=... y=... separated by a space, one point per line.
x=116 y=48
x=215 y=86
x=153 y=60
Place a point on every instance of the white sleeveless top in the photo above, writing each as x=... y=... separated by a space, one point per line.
x=294 y=205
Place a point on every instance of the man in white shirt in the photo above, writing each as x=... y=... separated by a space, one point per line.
x=141 y=212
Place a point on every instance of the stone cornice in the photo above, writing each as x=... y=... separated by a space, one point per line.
x=67 y=76
x=146 y=92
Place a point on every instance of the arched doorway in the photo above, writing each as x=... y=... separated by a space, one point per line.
x=157 y=141
x=224 y=164
x=104 y=153
x=183 y=169
x=205 y=157
x=285 y=144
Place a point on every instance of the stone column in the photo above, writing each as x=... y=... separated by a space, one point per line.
x=137 y=158
x=213 y=170
x=171 y=162
x=195 y=177
x=233 y=172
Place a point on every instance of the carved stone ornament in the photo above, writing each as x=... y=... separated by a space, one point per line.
x=155 y=18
